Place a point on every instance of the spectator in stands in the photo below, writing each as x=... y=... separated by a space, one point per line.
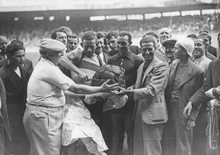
x=44 y=113
x=64 y=61
x=15 y=77
x=3 y=44
x=199 y=135
x=123 y=117
x=148 y=92
x=185 y=78
x=169 y=47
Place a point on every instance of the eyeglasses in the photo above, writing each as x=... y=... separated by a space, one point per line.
x=123 y=43
x=147 y=49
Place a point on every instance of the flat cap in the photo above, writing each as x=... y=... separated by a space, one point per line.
x=51 y=45
x=171 y=41
x=187 y=44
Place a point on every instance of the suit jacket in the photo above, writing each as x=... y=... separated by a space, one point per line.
x=106 y=57
x=28 y=64
x=4 y=110
x=212 y=50
x=192 y=81
x=212 y=81
x=135 y=49
x=149 y=92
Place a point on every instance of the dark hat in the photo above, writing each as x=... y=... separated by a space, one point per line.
x=51 y=45
x=171 y=41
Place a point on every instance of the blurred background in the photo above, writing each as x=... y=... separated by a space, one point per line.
x=31 y=20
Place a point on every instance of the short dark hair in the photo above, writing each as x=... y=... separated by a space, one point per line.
x=151 y=33
x=89 y=35
x=54 y=33
x=126 y=33
x=192 y=36
x=110 y=34
x=14 y=46
x=100 y=34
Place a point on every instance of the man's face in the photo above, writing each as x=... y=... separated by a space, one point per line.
x=61 y=36
x=112 y=42
x=169 y=51
x=17 y=59
x=147 y=50
x=123 y=44
x=99 y=45
x=178 y=51
x=199 y=48
x=3 y=45
x=72 y=44
x=164 y=34
x=89 y=47
x=206 y=41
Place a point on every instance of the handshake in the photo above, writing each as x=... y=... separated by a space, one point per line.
x=122 y=91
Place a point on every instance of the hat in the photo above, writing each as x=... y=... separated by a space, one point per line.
x=187 y=44
x=171 y=41
x=148 y=39
x=51 y=45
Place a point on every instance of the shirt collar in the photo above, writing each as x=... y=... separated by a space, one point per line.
x=128 y=55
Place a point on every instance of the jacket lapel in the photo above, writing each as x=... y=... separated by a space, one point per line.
x=139 y=76
x=149 y=68
x=188 y=75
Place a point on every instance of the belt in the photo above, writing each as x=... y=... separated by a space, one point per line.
x=42 y=107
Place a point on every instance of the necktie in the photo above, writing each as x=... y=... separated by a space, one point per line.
x=100 y=60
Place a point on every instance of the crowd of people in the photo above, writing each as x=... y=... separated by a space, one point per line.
x=163 y=95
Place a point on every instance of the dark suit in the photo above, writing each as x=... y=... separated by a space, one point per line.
x=212 y=81
x=212 y=50
x=16 y=92
x=151 y=111
x=4 y=121
x=28 y=64
x=175 y=128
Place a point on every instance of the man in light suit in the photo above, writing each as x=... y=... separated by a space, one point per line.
x=148 y=92
x=185 y=78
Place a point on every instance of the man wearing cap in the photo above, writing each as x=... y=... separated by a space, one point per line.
x=150 y=109
x=45 y=99
x=185 y=78
x=15 y=77
x=169 y=46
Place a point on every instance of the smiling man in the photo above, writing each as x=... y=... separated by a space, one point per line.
x=122 y=118
x=150 y=112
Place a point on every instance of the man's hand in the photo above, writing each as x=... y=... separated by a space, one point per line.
x=120 y=91
x=190 y=124
x=105 y=87
x=187 y=110
x=131 y=87
x=83 y=76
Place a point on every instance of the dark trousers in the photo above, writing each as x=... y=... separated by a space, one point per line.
x=118 y=123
